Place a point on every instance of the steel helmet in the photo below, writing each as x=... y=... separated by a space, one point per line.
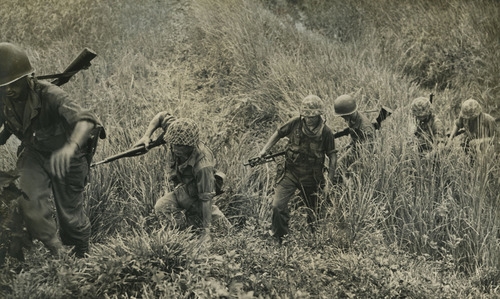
x=470 y=109
x=183 y=131
x=311 y=106
x=421 y=107
x=344 y=105
x=14 y=64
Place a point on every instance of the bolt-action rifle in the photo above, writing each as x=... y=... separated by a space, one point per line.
x=382 y=115
x=81 y=62
x=252 y=162
x=133 y=152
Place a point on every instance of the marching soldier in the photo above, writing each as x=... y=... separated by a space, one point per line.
x=361 y=129
x=310 y=142
x=52 y=158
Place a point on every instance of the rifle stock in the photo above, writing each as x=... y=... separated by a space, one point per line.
x=82 y=61
x=384 y=113
x=137 y=151
x=342 y=133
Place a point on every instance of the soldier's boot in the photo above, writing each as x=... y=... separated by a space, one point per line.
x=80 y=249
x=54 y=246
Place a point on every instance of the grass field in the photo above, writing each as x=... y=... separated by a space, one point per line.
x=406 y=228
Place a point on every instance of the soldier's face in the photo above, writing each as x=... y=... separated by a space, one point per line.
x=16 y=90
x=312 y=121
x=182 y=152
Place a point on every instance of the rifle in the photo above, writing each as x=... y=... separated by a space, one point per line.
x=384 y=112
x=136 y=151
x=252 y=162
x=82 y=61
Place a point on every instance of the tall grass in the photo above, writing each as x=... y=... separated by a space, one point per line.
x=241 y=68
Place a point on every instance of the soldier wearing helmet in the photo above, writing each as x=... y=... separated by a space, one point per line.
x=54 y=132
x=429 y=130
x=480 y=128
x=192 y=172
x=361 y=130
x=310 y=142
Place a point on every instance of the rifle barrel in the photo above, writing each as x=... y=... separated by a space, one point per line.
x=135 y=151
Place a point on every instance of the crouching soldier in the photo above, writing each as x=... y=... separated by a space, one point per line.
x=310 y=142
x=191 y=169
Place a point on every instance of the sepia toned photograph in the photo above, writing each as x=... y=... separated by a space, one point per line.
x=245 y=149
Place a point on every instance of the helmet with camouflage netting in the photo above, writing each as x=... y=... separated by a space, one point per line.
x=14 y=64
x=344 y=105
x=183 y=131
x=421 y=107
x=470 y=109
x=311 y=106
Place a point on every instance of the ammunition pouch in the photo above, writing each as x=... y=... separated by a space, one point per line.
x=303 y=159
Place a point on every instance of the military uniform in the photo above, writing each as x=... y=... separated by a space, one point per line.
x=480 y=128
x=304 y=167
x=429 y=129
x=53 y=157
x=194 y=183
x=45 y=126
x=362 y=132
x=483 y=126
x=193 y=178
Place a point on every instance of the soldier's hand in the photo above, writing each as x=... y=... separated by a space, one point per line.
x=145 y=140
x=61 y=159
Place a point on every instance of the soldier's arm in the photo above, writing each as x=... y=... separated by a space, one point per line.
x=157 y=122
x=332 y=166
x=270 y=143
x=60 y=159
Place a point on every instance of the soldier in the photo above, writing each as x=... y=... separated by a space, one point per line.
x=310 y=141
x=361 y=129
x=430 y=130
x=480 y=128
x=52 y=158
x=191 y=170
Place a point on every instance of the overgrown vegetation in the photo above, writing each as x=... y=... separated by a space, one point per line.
x=406 y=226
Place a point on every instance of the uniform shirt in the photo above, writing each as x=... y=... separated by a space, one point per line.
x=197 y=172
x=306 y=151
x=360 y=129
x=483 y=126
x=49 y=118
x=429 y=131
